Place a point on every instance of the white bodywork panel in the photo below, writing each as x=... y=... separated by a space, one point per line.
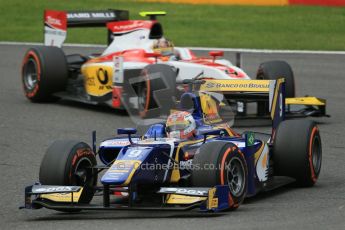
x=54 y=37
x=189 y=70
x=134 y=40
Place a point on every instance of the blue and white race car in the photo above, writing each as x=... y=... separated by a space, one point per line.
x=192 y=159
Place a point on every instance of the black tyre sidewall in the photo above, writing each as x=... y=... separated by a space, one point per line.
x=52 y=65
x=274 y=70
x=292 y=151
x=219 y=154
x=31 y=54
x=59 y=164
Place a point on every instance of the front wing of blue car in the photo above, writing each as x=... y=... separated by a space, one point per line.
x=66 y=198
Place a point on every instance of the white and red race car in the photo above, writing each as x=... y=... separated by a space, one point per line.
x=111 y=78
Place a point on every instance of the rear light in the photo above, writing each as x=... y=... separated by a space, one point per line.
x=117 y=92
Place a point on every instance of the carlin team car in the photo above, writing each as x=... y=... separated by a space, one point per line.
x=192 y=159
x=49 y=74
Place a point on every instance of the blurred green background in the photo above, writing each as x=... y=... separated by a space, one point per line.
x=289 y=27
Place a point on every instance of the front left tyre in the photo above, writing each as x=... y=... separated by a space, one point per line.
x=70 y=163
x=44 y=72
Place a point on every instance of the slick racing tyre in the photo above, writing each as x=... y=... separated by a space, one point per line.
x=70 y=163
x=44 y=72
x=156 y=93
x=297 y=151
x=274 y=70
x=221 y=163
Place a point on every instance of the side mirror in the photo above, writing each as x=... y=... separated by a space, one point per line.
x=154 y=55
x=128 y=131
x=211 y=132
x=215 y=54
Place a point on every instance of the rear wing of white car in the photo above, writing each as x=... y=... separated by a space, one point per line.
x=57 y=22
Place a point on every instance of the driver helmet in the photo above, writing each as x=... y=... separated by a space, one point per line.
x=181 y=125
x=163 y=46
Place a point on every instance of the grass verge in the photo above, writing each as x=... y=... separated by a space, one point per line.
x=290 y=27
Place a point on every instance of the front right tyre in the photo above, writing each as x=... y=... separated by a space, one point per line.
x=221 y=163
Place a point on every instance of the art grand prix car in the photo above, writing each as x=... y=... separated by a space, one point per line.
x=190 y=160
x=48 y=74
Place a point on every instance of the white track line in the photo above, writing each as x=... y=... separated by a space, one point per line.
x=265 y=51
x=269 y=51
x=41 y=44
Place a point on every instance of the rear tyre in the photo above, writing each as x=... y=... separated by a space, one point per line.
x=274 y=70
x=228 y=168
x=70 y=163
x=159 y=83
x=297 y=151
x=44 y=72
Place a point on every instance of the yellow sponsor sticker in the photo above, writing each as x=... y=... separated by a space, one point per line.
x=212 y=202
x=124 y=165
x=209 y=108
x=63 y=197
x=182 y=199
x=236 y=86
x=97 y=79
x=305 y=101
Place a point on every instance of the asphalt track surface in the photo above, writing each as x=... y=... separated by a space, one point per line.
x=27 y=129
